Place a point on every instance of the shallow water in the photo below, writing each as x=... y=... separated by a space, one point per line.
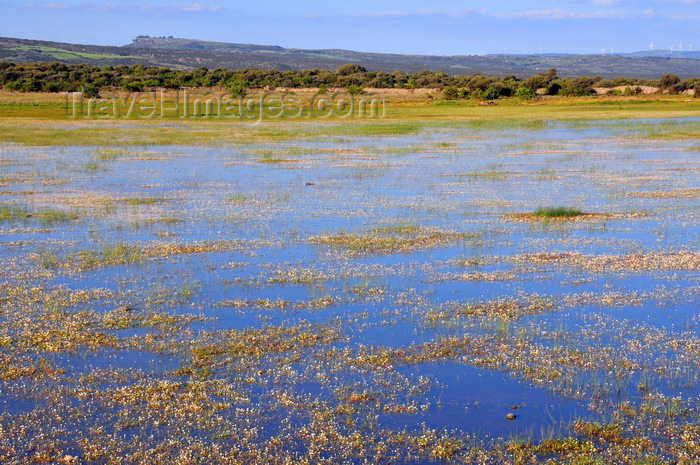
x=434 y=225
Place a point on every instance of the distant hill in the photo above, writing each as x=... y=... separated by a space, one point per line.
x=666 y=54
x=181 y=53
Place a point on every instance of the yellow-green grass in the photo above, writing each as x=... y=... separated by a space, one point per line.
x=47 y=216
x=558 y=212
x=40 y=119
x=62 y=54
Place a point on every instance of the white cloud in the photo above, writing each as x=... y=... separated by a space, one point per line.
x=683 y=17
x=547 y=13
x=389 y=14
x=197 y=7
x=58 y=6
x=425 y=13
x=127 y=5
x=558 y=13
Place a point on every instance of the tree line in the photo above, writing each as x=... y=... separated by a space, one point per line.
x=60 y=77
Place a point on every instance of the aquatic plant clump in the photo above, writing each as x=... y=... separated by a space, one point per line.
x=558 y=212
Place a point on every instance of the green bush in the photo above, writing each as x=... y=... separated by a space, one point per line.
x=525 y=93
x=354 y=90
x=237 y=87
x=553 y=88
x=132 y=86
x=151 y=83
x=52 y=87
x=349 y=69
x=56 y=77
x=14 y=85
x=491 y=94
x=90 y=91
x=450 y=93
x=579 y=87
x=668 y=80
x=31 y=85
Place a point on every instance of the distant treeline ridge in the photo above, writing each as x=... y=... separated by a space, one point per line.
x=60 y=77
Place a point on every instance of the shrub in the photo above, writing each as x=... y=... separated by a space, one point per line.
x=349 y=69
x=14 y=85
x=578 y=87
x=491 y=94
x=676 y=89
x=90 y=91
x=237 y=87
x=151 y=83
x=354 y=90
x=31 y=85
x=668 y=80
x=553 y=88
x=450 y=93
x=525 y=93
x=52 y=87
x=132 y=86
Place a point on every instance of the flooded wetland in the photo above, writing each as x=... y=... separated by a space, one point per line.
x=321 y=292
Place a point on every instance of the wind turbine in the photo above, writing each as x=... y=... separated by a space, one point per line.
x=651 y=46
x=602 y=52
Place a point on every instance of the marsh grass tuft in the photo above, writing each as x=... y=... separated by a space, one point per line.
x=93 y=167
x=107 y=154
x=142 y=200
x=558 y=212
x=393 y=239
x=46 y=216
x=48 y=259
x=489 y=174
x=111 y=254
x=13 y=212
x=237 y=198
x=398 y=228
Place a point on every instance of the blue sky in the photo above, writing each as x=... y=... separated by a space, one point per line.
x=413 y=27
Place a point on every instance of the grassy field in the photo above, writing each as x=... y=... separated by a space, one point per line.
x=40 y=119
x=53 y=53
